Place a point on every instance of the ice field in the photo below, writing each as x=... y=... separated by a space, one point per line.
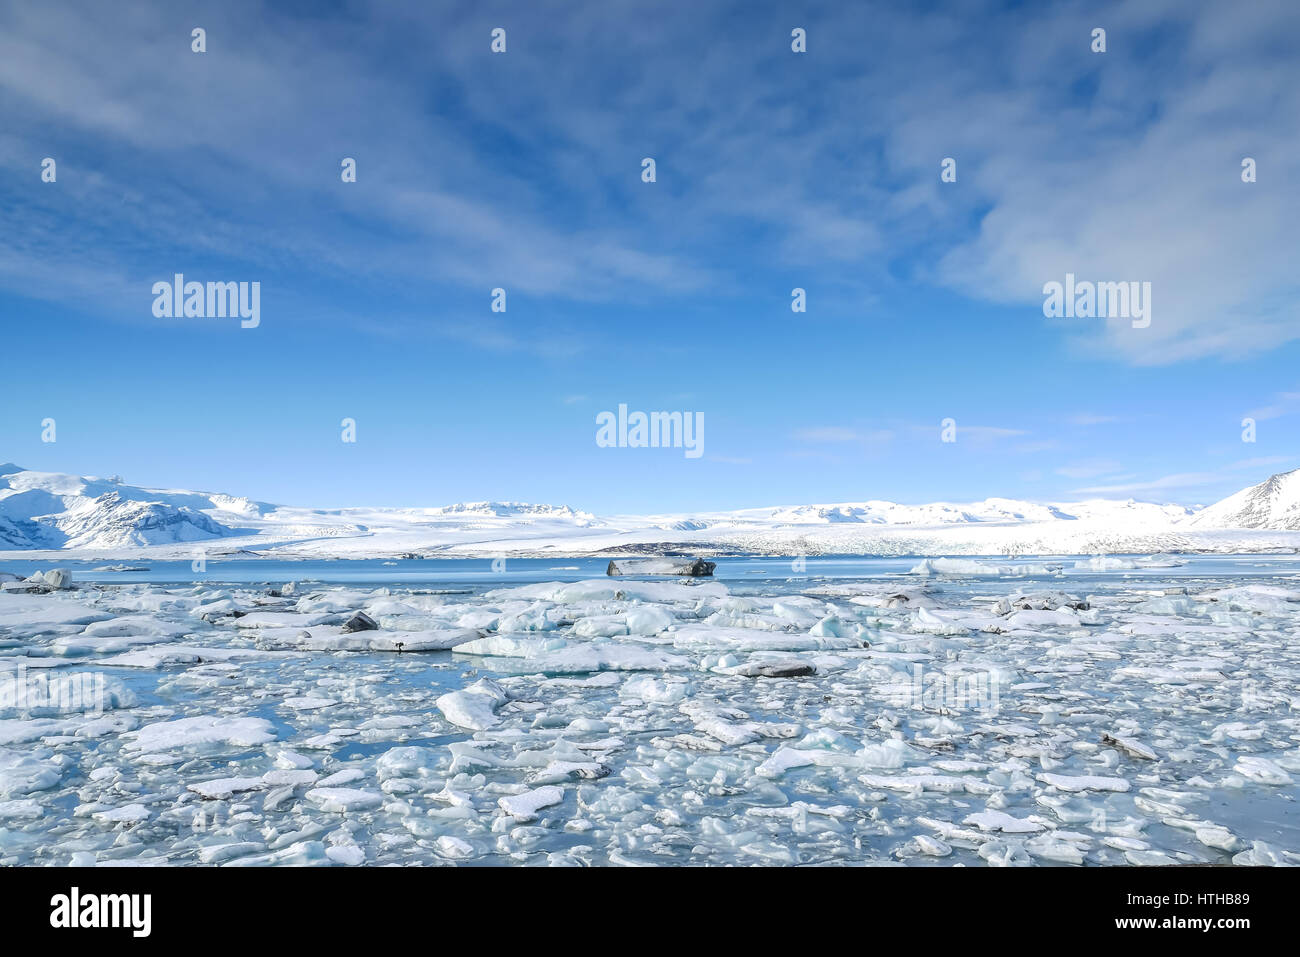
x=1048 y=711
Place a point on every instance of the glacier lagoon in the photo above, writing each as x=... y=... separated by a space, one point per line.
x=1060 y=710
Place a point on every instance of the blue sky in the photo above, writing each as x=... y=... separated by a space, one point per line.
x=775 y=170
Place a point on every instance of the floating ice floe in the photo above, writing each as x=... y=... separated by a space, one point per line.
x=517 y=655
x=524 y=807
x=1110 y=563
x=691 y=568
x=475 y=707
x=200 y=733
x=333 y=638
x=23 y=773
x=344 y=800
x=967 y=568
x=1084 y=782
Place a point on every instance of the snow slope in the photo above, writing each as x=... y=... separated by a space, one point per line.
x=1273 y=503
x=53 y=512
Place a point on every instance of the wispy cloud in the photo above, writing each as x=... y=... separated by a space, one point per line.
x=986 y=433
x=556 y=203
x=1179 y=481
x=1191 y=481
x=1263 y=462
x=1089 y=469
x=1085 y=418
x=841 y=434
x=1284 y=403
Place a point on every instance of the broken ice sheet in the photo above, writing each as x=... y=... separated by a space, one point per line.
x=972 y=712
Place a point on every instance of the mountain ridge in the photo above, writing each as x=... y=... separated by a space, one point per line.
x=52 y=511
x=1274 y=504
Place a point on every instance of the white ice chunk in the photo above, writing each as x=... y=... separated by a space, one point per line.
x=1084 y=782
x=475 y=707
x=343 y=800
x=524 y=807
x=200 y=732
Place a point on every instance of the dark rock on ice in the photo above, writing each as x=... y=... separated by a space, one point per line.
x=359 y=622
x=697 y=568
x=778 y=669
x=1039 y=601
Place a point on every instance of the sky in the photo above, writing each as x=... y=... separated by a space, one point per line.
x=522 y=170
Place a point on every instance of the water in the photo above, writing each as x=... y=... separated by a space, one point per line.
x=474 y=572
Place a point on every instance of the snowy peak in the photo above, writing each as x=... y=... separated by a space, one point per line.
x=54 y=510
x=110 y=521
x=1272 y=504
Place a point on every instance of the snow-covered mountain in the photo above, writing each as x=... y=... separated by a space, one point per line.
x=1273 y=504
x=49 y=511
x=991 y=510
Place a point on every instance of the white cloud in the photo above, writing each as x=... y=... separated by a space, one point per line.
x=1284 y=403
x=986 y=433
x=1148 y=188
x=827 y=433
x=1182 y=480
x=1085 y=418
x=1193 y=480
x=1093 y=468
x=835 y=433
